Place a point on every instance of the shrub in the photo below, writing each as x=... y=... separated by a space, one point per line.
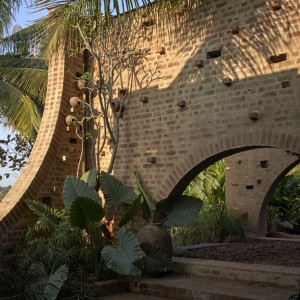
x=214 y=222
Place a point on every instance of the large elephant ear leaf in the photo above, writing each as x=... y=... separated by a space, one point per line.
x=85 y=211
x=121 y=258
x=179 y=209
x=90 y=177
x=44 y=286
x=73 y=188
x=115 y=192
x=155 y=261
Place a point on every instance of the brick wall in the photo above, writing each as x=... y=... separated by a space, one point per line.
x=44 y=173
x=245 y=98
x=251 y=178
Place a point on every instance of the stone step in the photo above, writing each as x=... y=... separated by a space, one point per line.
x=263 y=275
x=196 y=288
x=130 y=296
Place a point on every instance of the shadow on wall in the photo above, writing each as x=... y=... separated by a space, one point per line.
x=230 y=84
x=217 y=83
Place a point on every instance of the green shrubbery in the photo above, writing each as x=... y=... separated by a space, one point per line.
x=284 y=206
x=210 y=227
x=214 y=223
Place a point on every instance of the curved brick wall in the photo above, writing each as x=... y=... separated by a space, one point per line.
x=45 y=171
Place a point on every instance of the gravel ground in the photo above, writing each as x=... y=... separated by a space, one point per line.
x=282 y=253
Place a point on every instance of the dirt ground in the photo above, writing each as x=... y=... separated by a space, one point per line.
x=282 y=253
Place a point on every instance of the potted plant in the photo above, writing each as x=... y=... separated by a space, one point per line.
x=170 y=212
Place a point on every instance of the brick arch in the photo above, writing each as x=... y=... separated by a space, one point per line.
x=262 y=217
x=202 y=156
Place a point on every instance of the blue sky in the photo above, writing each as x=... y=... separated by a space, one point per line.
x=23 y=18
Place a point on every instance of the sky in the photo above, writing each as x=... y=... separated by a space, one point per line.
x=23 y=18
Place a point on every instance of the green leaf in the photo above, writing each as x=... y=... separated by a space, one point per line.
x=51 y=215
x=73 y=188
x=155 y=261
x=90 y=177
x=115 y=192
x=179 y=209
x=146 y=197
x=121 y=258
x=85 y=211
x=130 y=212
x=46 y=287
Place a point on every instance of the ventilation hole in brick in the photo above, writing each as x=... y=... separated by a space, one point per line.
x=249 y=187
x=285 y=84
x=276 y=5
x=73 y=141
x=144 y=99
x=214 y=54
x=151 y=159
x=278 y=58
x=264 y=164
x=47 y=200
x=181 y=103
x=199 y=63
x=148 y=23
x=227 y=81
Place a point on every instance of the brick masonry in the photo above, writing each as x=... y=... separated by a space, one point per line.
x=246 y=98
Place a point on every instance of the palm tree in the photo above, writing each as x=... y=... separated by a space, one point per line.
x=22 y=88
x=7 y=10
x=60 y=25
x=23 y=81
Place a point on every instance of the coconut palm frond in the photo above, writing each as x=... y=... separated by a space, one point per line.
x=28 y=74
x=18 y=110
x=59 y=26
x=23 y=41
x=7 y=11
x=23 y=83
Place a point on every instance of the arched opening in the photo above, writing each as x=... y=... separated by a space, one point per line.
x=215 y=222
x=189 y=176
x=252 y=177
x=281 y=205
x=250 y=171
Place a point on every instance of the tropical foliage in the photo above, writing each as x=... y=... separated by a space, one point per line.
x=23 y=88
x=284 y=206
x=66 y=246
x=60 y=25
x=214 y=223
x=14 y=151
x=23 y=80
x=7 y=11
x=171 y=212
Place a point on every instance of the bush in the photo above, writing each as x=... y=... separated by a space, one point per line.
x=214 y=223
x=210 y=227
